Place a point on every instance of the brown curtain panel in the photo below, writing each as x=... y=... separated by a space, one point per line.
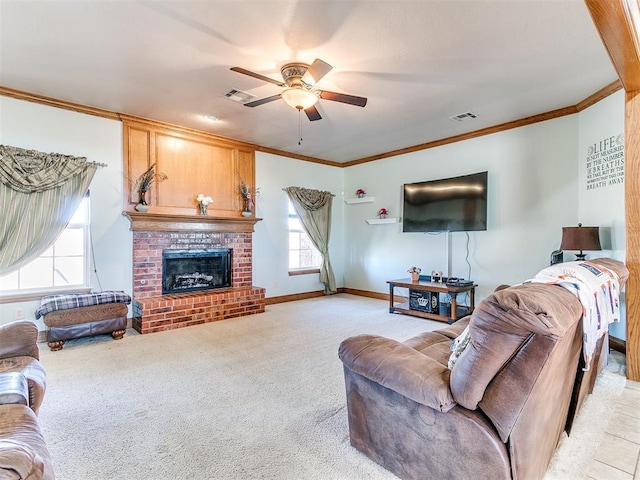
x=314 y=209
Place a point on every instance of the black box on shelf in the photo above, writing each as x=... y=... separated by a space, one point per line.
x=428 y=302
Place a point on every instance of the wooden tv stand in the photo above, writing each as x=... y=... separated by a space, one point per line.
x=445 y=314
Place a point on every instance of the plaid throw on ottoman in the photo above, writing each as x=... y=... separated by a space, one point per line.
x=63 y=301
x=75 y=315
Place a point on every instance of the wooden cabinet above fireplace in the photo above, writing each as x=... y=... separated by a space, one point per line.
x=194 y=162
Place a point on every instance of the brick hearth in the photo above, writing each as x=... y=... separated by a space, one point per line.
x=166 y=312
x=153 y=312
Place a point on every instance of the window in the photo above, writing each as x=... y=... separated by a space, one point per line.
x=303 y=256
x=62 y=266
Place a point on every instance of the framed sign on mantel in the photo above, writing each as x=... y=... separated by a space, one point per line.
x=194 y=162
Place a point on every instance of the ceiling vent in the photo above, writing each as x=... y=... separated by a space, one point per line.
x=464 y=117
x=239 y=96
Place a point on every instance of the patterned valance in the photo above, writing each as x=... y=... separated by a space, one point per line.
x=309 y=199
x=30 y=171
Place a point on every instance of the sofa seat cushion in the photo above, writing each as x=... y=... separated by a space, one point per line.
x=22 y=447
x=431 y=344
x=34 y=373
x=437 y=344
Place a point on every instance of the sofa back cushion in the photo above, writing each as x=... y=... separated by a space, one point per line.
x=504 y=323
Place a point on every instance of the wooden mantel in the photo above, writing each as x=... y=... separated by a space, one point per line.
x=163 y=222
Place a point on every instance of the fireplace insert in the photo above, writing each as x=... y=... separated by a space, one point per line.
x=191 y=270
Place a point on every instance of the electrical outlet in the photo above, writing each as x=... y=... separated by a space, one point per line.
x=18 y=313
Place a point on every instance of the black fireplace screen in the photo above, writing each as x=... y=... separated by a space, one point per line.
x=190 y=270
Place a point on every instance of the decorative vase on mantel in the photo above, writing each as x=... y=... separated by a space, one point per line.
x=247 y=211
x=142 y=205
x=203 y=208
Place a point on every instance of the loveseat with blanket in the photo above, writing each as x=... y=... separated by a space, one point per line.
x=23 y=452
x=499 y=411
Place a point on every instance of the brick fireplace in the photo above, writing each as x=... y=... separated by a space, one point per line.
x=154 y=234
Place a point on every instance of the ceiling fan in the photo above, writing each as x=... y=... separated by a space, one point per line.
x=298 y=82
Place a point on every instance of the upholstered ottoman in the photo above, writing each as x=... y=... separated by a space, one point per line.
x=81 y=315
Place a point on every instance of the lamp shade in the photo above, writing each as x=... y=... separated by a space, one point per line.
x=580 y=238
x=299 y=98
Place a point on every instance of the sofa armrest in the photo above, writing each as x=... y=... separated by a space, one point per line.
x=18 y=339
x=399 y=368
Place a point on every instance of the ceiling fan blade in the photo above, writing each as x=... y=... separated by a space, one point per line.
x=316 y=71
x=258 y=76
x=343 y=98
x=312 y=113
x=262 y=101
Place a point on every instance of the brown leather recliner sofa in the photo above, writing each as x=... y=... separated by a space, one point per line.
x=23 y=451
x=497 y=414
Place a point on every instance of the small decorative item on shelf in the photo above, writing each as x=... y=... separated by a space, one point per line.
x=248 y=198
x=382 y=213
x=360 y=193
x=415 y=273
x=204 y=201
x=143 y=184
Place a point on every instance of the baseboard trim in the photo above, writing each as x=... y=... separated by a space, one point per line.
x=293 y=297
x=618 y=344
x=366 y=293
x=319 y=293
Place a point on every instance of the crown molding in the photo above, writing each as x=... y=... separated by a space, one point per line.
x=570 y=110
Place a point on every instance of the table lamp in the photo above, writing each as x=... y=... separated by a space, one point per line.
x=580 y=238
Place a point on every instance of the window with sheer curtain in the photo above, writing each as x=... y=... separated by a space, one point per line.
x=64 y=265
x=303 y=256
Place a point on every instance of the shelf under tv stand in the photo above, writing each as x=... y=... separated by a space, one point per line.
x=446 y=312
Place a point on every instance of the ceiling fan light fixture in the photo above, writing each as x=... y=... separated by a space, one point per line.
x=299 y=98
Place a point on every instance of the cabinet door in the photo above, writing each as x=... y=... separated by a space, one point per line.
x=193 y=164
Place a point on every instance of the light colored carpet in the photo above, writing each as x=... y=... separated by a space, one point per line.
x=258 y=397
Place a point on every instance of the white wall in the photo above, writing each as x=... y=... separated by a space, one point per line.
x=532 y=194
x=270 y=241
x=47 y=129
x=603 y=206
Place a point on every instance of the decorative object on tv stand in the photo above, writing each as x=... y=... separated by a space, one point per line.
x=415 y=273
x=580 y=238
x=383 y=212
x=248 y=198
x=143 y=184
x=204 y=201
x=360 y=193
x=436 y=276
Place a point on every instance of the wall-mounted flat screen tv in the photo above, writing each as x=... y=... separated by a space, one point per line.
x=455 y=204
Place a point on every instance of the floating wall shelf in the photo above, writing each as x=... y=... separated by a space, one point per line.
x=359 y=200
x=379 y=221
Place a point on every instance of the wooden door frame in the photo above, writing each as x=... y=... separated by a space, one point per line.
x=618 y=23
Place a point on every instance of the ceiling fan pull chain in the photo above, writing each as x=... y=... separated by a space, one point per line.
x=300 y=126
